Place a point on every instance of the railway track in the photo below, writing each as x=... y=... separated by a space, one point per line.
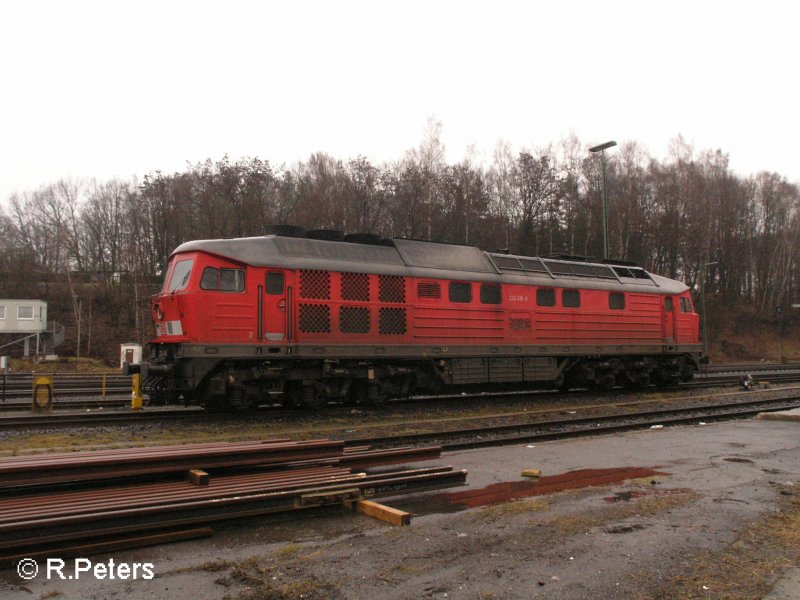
x=541 y=431
x=122 y=399
x=530 y=414
x=16 y=387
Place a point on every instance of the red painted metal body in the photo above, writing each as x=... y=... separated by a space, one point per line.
x=215 y=317
x=240 y=319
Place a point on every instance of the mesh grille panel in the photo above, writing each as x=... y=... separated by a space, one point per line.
x=427 y=289
x=315 y=318
x=519 y=324
x=315 y=284
x=355 y=286
x=354 y=319
x=392 y=288
x=392 y=321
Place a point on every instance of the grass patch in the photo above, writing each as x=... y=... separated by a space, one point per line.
x=516 y=507
x=747 y=568
x=276 y=577
x=288 y=551
x=640 y=507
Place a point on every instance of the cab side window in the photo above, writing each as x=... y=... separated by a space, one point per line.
x=274 y=283
x=223 y=280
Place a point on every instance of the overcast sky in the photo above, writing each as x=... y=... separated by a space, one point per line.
x=105 y=89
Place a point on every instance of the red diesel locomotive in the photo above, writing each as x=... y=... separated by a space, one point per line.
x=241 y=320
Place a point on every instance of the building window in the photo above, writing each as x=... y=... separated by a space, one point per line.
x=571 y=299
x=546 y=297
x=460 y=292
x=224 y=280
x=25 y=313
x=686 y=306
x=2 y=312
x=616 y=301
x=491 y=294
x=668 y=304
x=275 y=283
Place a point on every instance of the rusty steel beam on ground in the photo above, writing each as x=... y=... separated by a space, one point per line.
x=180 y=504
x=77 y=466
x=115 y=544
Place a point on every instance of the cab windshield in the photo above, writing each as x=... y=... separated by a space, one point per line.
x=180 y=275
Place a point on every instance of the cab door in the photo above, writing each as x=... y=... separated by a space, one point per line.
x=668 y=319
x=275 y=309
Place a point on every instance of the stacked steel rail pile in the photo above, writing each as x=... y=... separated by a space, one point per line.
x=103 y=496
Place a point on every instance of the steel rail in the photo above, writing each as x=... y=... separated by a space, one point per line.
x=539 y=431
x=223 y=499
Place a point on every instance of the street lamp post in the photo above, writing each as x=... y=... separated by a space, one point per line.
x=704 y=324
x=601 y=148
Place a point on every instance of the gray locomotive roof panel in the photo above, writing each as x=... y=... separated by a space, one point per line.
x=414 y=259
x=430 y=255
x=337 y=251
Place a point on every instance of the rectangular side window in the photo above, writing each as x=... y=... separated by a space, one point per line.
x=224 y=280
x=571 y=299
x=231 y=280
x=460 y=292
x=546 y=297
x=686 y=306
x=210 y=280
x=490 y=293
x=2 y=312
x=275 y=283
x=668 y=304
x=25 y=312
x=616 y=301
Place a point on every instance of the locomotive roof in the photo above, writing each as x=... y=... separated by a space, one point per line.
x=432 y=260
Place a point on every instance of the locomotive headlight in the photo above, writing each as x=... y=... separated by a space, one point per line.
x=159 y=313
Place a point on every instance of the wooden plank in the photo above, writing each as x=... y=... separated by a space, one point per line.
x=381 y=512
x=198 y=477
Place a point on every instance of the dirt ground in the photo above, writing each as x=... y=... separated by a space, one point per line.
x=692 y=512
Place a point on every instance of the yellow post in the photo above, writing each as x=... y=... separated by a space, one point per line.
x=42 y=393
x=136 y=396
x=104 y=385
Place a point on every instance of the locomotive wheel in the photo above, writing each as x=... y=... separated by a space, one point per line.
x=607 y=382
x=237 y=400
x=156 y=388
x=306 y=396
x=369 y=393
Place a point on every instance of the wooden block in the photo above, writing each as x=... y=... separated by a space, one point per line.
x=198 y=477
x=384 y=513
